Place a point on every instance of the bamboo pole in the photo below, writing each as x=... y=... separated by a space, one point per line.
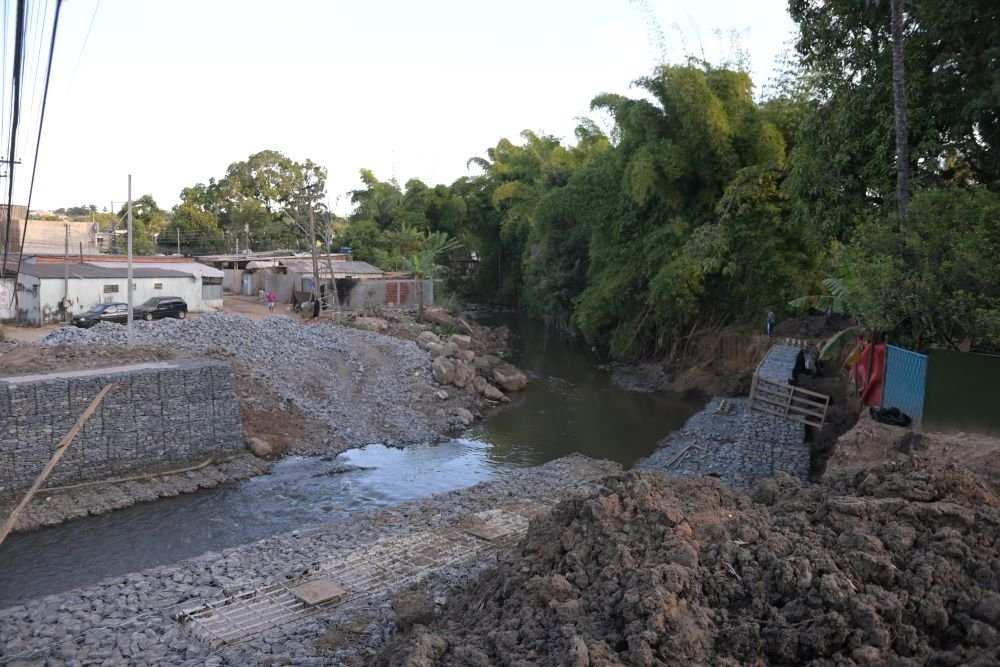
x=60 y=450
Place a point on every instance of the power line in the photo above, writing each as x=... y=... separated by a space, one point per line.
x=38 y=141
x=84 y=47
x=15 y=111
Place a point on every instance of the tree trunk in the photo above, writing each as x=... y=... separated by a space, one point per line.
x=899 y=102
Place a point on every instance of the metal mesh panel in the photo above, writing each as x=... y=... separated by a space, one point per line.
x=905 y=381
x=376 y=569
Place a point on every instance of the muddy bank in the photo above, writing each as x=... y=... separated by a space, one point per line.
x=893 y=565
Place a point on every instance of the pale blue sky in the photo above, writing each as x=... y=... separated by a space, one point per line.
x=174 y=91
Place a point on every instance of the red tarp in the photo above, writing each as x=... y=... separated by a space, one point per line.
x=869 y=374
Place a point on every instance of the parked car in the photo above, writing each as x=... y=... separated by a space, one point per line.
x=161 y=306
x=105 y=312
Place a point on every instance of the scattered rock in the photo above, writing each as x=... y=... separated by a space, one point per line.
x=425 y=338
x=464 y=416
x=443 y=370
x=493 y=394
x=464 y=374
x=509 y=377
x=260 y=447
x=376 y=324
x=461 y=341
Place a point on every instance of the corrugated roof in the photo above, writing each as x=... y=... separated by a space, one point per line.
x=191 y=268
x=339 y=266
x=78 y=270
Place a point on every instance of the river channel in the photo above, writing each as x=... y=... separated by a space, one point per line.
x=569 y=406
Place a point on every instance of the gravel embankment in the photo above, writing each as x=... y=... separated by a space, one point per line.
x=366 y=387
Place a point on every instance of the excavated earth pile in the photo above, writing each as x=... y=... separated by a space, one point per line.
x=895 y=565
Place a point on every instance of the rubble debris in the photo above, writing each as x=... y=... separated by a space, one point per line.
x=892 y=565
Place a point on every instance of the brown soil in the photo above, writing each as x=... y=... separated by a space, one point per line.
x=840 y=417
x=898 y=564
x=714 y=363
x=870 y=442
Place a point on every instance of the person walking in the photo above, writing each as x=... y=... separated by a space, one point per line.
x=271 y=298
x=770 y=324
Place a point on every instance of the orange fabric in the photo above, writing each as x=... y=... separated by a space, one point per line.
x=869 y=374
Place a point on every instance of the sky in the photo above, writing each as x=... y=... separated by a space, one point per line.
x=174 y=91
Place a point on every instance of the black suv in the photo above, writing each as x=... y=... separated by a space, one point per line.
x=104 y=312
x=161 y=306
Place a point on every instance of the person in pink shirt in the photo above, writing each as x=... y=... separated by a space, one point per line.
x=271 y=298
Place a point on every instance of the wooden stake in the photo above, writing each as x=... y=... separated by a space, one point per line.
x=60 y=450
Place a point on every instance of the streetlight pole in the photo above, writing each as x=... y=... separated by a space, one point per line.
x=128 y=288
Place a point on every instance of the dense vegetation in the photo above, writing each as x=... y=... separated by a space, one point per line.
x=703 y=205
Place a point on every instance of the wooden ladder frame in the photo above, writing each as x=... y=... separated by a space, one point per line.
x=788 y=401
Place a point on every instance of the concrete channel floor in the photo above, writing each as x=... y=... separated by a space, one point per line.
x=238 y=608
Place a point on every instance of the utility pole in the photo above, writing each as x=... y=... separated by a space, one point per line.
x=66 y=274
x=128 y=288
x=178 y=240
x=312 y=243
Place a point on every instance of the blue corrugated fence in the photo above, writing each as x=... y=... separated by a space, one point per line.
x=905 y=381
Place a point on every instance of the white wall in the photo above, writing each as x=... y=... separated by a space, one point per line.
x=7 y=311
x=27 y=300
x=88 y=292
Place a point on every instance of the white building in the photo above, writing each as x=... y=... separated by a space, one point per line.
x=45 y=293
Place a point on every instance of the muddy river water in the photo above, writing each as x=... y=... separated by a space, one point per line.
x=569 y=406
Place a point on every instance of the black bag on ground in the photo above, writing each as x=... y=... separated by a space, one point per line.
x=891 y=416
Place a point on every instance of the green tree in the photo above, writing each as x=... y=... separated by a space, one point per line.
x=845 y=163
x=692 y=227
x=252 y=199
x=198 y=231
x=148 y=220
x=930 y=282
x=424 y=264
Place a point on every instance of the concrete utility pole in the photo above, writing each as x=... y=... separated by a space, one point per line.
x=66 y=275
x=312 y=244
x=128 y=288
x=178 y=240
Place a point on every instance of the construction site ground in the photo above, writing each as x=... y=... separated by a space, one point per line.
x=891 y=556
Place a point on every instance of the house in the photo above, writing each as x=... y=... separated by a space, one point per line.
x=290 y=275
x=49 y=289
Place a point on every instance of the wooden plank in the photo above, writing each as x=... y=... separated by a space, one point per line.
x=812 y=393
x=58 y=454
x=793 y=417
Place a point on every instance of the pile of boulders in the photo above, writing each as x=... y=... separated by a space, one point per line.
x=455 y=363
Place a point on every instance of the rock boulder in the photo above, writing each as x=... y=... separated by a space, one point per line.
x=509 y=377
x=443 y=370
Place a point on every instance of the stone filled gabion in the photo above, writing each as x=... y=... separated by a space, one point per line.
x=154 y=413
x=359 y=383
x=739 y=446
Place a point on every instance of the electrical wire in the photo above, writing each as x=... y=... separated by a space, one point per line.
x=15 y=112
x=38 y=142
x=84 y=47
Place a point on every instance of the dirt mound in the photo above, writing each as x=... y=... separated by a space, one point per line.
x=870 y=442
x=896 y=565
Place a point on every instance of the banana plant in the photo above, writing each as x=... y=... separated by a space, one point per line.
x=838 y=299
